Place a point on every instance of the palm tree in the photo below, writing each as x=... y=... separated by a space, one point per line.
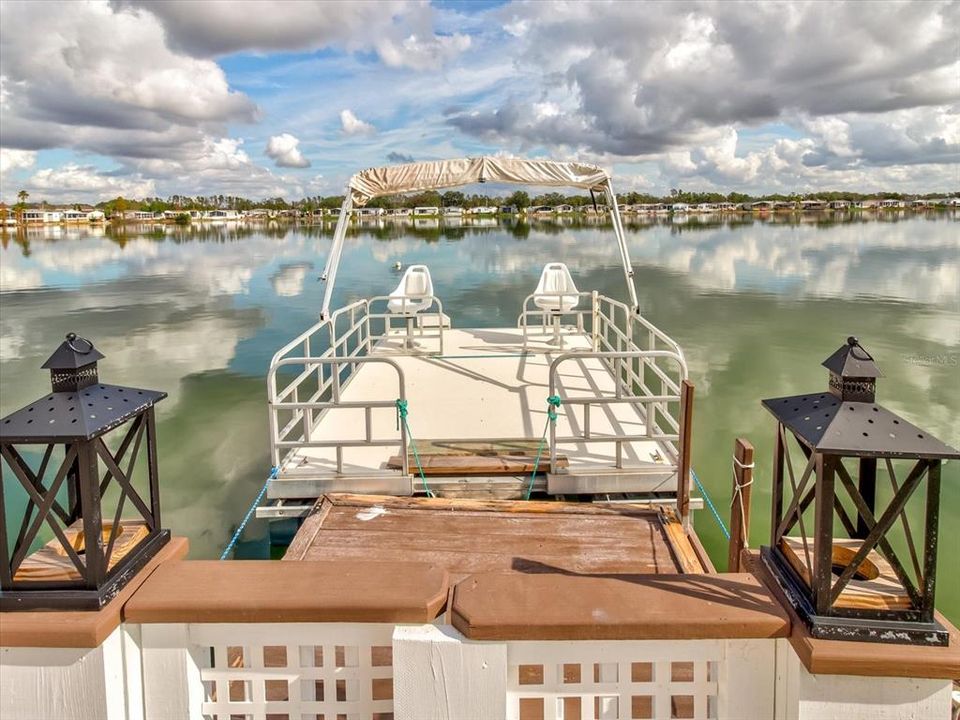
x=22 y=196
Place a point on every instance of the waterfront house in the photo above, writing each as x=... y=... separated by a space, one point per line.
x=921 y=203
x=368 y=212
x=426 y=211
x=727 y=207
x=679 y=208
x=483 y=210
x=137 y=215
x=453 y=211
x=891 y=203
x=812 y=205
x=223 y=215
x=839 y=205
x=564 y=209
x=508 y=210
x=865 y=204
x=41 y=217
x=74 y=216
x=706 y=208
x=540 y=210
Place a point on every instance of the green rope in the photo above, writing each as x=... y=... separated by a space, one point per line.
x=552 y=402
x=402 y=416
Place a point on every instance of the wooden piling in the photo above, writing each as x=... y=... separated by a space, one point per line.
x=740 y=508
x=683 y=470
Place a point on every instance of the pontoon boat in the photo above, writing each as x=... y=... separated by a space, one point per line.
x=584 y=396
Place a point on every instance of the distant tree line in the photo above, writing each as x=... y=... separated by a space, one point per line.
x=431 y=198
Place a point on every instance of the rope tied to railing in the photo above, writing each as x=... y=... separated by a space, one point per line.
x=553 y=402
x=738 y=497
x=709 y=501
x=402 y=412
x=274 y=471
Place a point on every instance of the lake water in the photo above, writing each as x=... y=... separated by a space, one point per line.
x=756 y=305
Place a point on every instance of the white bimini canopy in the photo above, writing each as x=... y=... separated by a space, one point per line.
x=439 y=174
x=417 y=177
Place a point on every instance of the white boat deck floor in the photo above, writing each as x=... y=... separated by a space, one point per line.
x=484 y=386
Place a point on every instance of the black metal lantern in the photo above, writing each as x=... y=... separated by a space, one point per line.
x=73 y=365
x=863 y=582
x=89 y=559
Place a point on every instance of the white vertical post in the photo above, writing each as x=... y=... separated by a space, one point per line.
x=172 y=687
x=71 y=683
x=811 y=697
x=329 y=275
x=622 y=242
x=440 y=675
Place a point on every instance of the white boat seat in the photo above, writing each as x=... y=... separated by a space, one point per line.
x=414 y=293
x=556 y=291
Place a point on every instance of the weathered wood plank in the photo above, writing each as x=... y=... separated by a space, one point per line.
x=502 y=506
x=443 y=464
x=308 y=531
x=680 y=544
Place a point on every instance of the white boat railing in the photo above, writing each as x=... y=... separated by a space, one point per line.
x=324 y=359
x=647 y=365
x=309 y=375
x=653 y=408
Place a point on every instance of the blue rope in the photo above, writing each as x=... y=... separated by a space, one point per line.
x=402 y=416
x=552 y=402
x=706 y=497
x=236 y=536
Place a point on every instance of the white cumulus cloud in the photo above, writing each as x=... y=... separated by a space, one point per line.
x=401 y=32
x=72 y=181
x=352 y=125
x=284 y=150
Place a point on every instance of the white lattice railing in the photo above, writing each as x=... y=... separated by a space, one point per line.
x=382 y=671
x=612 y=680
x=295 y=671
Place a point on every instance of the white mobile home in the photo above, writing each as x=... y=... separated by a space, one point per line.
x=74 y=216
x=426 y=211
x=37 y=217
x=223 y=215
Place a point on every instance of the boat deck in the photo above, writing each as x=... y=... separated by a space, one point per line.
x=468 y=537
x=485 y=387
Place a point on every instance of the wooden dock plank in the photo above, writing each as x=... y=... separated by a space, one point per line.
x=443 y=464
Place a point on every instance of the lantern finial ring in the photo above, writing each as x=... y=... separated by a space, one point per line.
x=71 y=337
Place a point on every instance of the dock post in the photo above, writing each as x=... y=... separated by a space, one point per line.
x=740 y=508
x=683 y=470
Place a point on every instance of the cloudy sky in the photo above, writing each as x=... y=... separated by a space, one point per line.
x=264 y=98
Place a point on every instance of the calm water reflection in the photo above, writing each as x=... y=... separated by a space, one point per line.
x=756 y=306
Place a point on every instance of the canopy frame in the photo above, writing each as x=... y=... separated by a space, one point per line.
x=419 y=177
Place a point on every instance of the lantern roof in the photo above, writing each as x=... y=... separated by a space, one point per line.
x=827 y=425
x=73 y=353
x=78 y=415
x=852 y=360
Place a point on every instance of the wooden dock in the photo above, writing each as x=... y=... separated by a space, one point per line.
x=476 y=536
